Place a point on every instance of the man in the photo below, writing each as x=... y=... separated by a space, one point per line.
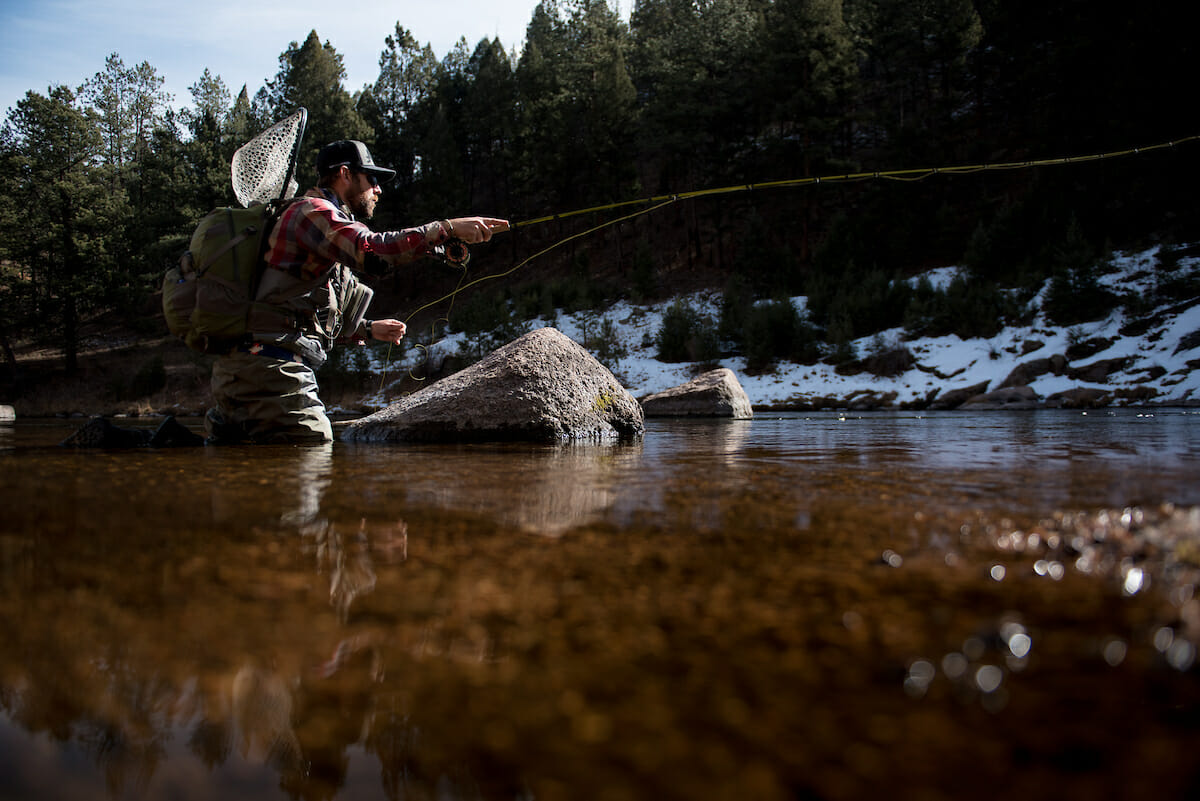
x=266 y=389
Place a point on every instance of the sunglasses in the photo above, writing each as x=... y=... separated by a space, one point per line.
x=371 y=179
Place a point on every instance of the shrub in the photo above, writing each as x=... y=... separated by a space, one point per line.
x=840 y=342
x=775 y=330
x=1075 y=294
x=606 y=345
x=866 y=300
x=968 y=306
x=737 y=303
x=488 y=321
x=645 y=275
x=345 y=371
x=687 y=336
x=888 y=359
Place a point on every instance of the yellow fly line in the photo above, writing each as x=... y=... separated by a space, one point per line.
x=657 y=202
x=911 y=174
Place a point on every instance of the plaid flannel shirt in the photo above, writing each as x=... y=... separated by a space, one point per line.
x=316 y=233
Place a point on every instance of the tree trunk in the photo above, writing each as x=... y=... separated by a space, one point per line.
x=71 y=335
x=10 y=357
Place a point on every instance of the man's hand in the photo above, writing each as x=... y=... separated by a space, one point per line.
x=388 y=331
x=476 y=229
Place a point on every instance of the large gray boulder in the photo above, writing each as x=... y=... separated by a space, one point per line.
x=541 y=387
x=716 y=393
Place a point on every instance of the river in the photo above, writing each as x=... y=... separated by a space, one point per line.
x=801 y=606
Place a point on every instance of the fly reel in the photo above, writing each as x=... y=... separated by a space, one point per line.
x=453 y=252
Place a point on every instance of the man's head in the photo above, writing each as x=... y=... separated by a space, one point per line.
x=346 y=167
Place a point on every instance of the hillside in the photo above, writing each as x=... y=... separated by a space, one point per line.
x=1152 y=359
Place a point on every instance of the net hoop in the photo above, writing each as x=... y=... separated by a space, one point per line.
x=261 y=170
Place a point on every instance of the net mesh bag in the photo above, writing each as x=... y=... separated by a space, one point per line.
x=262 y=168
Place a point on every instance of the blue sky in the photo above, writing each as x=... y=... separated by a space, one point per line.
x=47 y=42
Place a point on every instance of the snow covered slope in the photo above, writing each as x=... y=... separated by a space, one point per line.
x=1159 y=362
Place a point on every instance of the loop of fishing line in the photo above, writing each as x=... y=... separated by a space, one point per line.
x=461 y=287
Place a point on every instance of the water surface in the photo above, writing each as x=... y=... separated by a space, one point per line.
x=798 y=606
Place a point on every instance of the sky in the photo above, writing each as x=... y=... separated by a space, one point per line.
x=51 y=42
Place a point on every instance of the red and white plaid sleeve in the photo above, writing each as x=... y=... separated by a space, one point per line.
x=314 y=234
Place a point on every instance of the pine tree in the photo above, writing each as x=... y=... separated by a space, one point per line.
x=698 y=84
x=60 y=187
x=311 y=75
x=918 y=58
x=488 y=128
x=577 y=105
x=210 y=146
x=408 y=75
x=130 y=104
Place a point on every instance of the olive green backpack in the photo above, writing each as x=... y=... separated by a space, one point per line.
x=207 y=298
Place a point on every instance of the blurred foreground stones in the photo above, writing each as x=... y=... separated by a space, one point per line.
x=1136 y=550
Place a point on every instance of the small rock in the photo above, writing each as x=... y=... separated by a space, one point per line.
x=716 y=393
x=870 y=401
x=1098 y=372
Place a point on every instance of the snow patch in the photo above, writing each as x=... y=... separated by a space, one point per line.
x=1157 y=360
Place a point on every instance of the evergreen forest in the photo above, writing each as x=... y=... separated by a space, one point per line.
x=103 y=182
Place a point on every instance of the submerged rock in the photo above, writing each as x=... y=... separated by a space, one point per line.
x=100 y=433
x=716 y=393
x=541 y=387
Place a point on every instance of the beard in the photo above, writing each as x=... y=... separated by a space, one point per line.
x=363 y=205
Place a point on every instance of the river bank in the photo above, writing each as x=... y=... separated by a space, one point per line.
x=1149 y=359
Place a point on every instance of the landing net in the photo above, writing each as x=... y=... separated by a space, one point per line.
x=262 y=168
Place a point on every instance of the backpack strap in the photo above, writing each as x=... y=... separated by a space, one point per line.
x=234 y=241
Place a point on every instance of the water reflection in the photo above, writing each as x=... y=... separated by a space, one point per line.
x=544 y=490
x=760 y=609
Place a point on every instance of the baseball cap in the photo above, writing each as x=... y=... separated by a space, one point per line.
x=353 y=154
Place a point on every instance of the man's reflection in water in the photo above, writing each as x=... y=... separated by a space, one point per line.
x=262 y=710
x=344 y=557
x=268 y=722
x=312 y=474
